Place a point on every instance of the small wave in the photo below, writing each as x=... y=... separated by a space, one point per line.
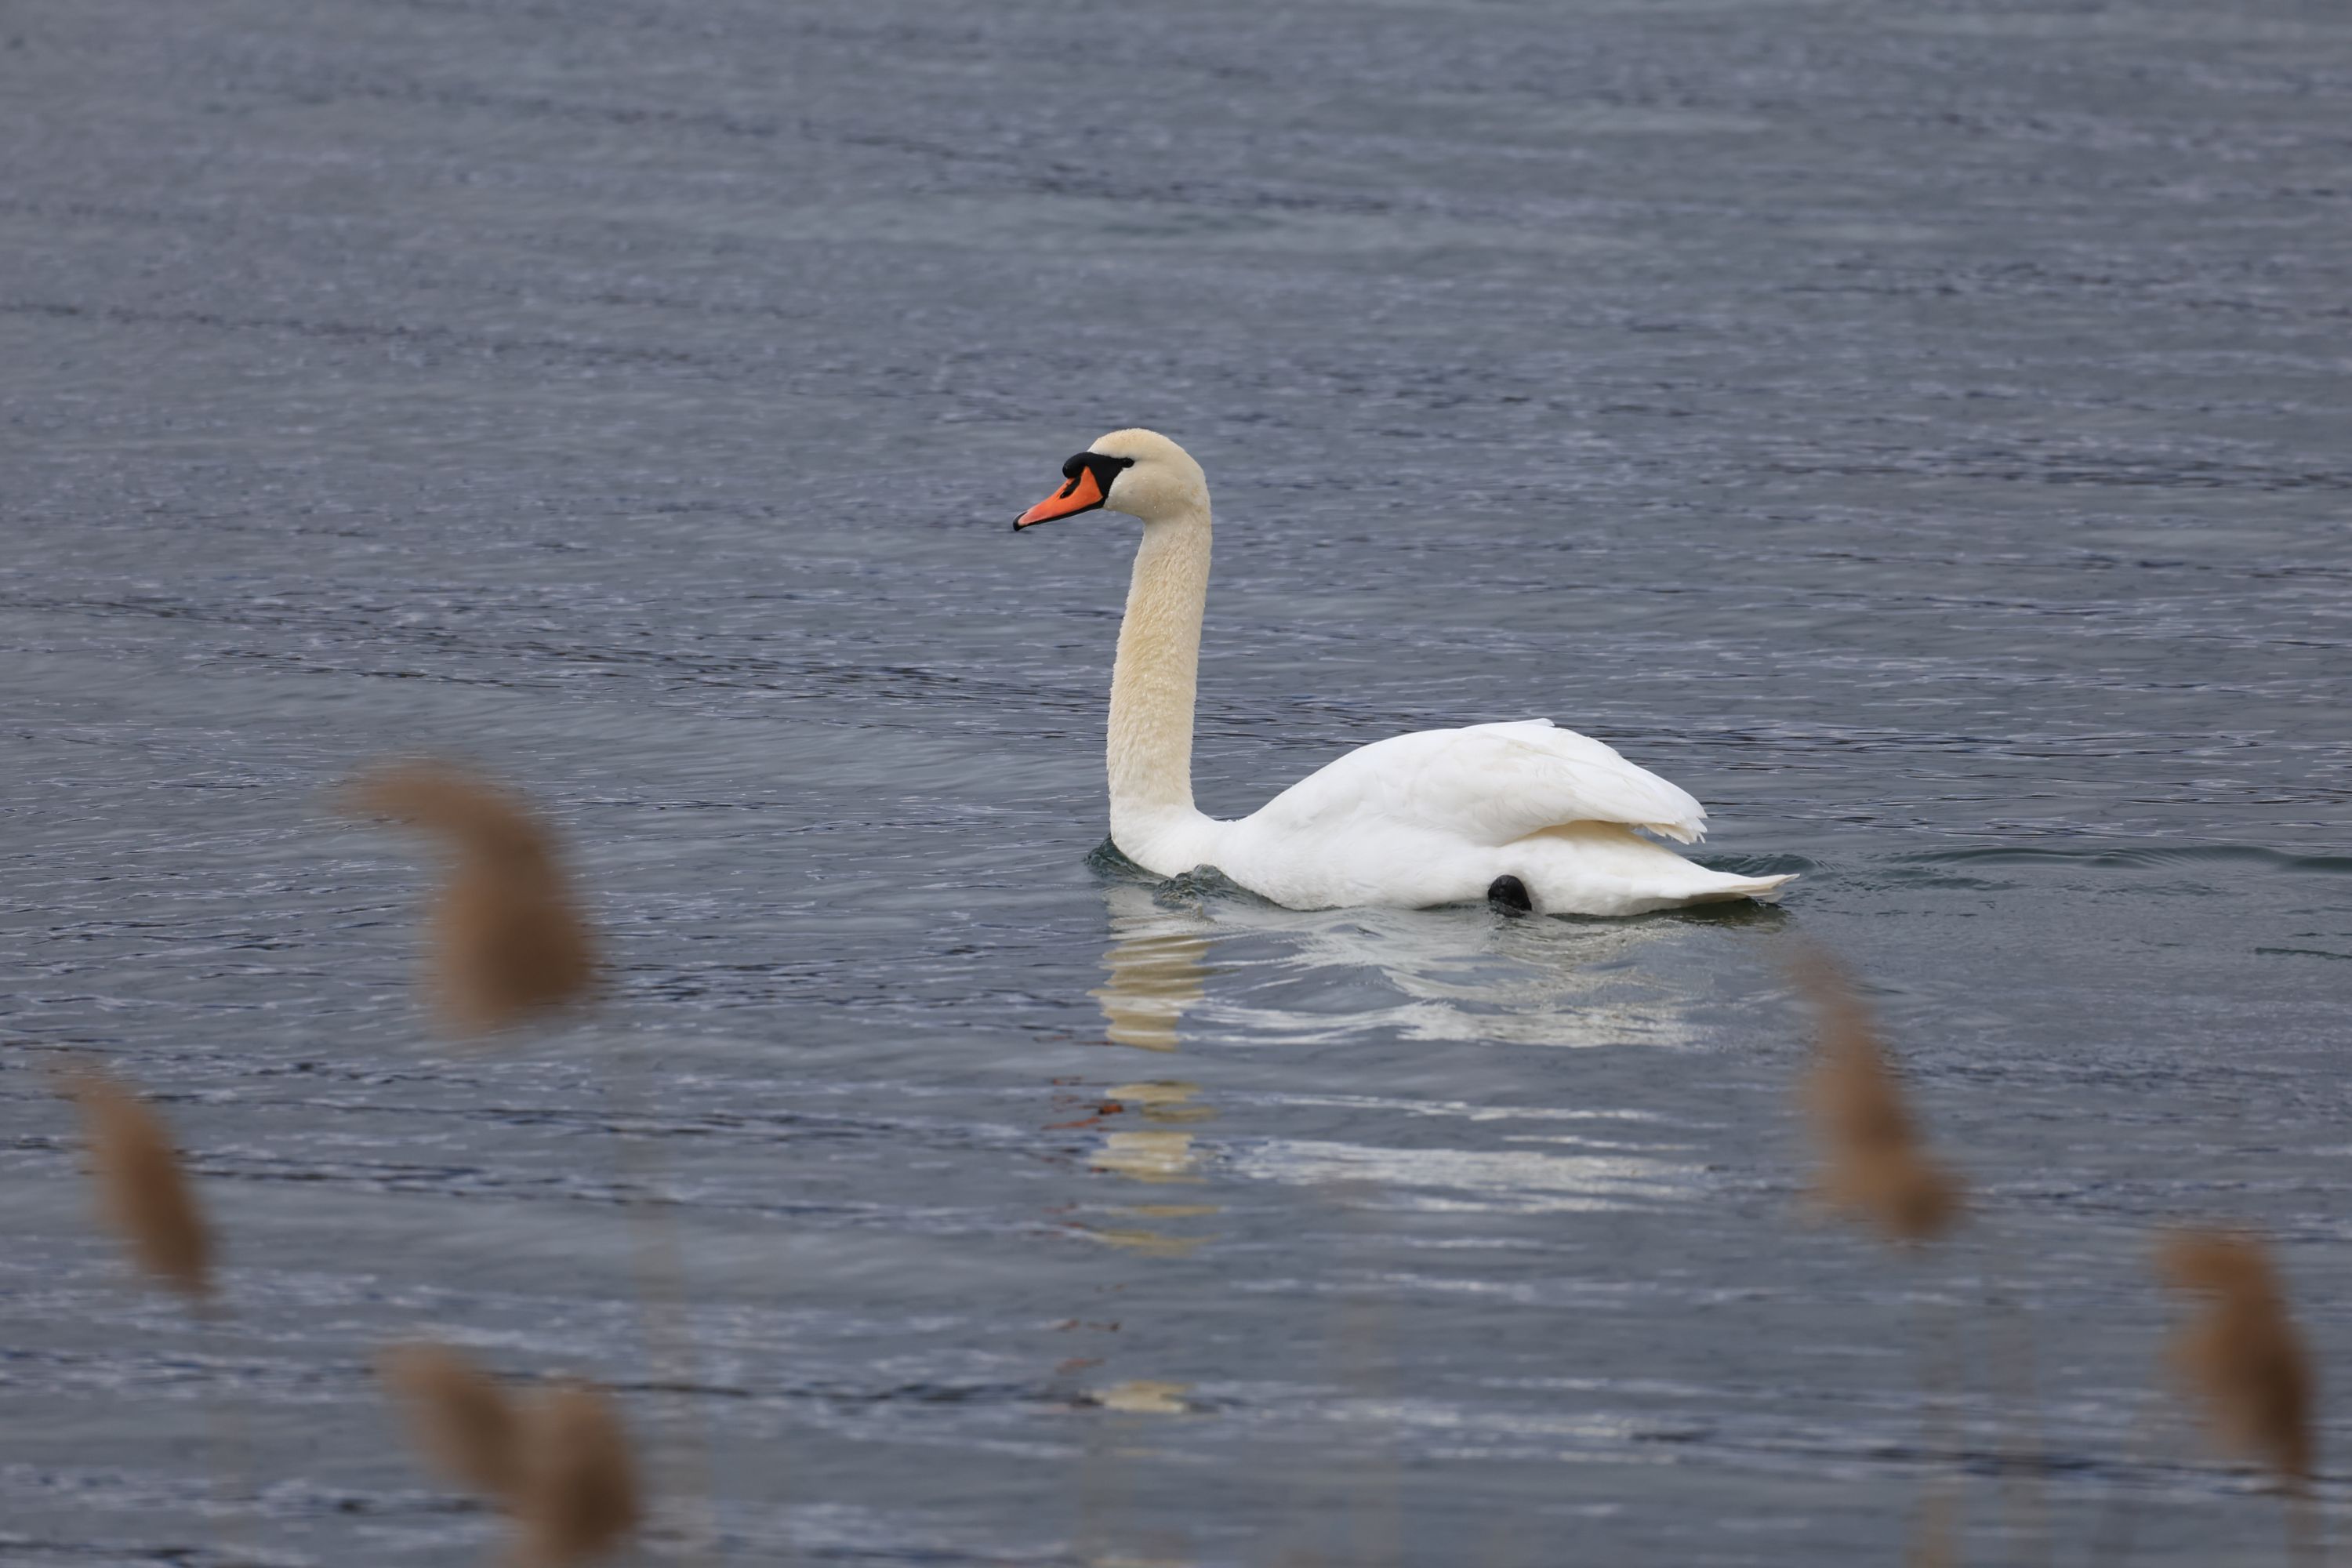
x=1186 y=888
x=2146 y=857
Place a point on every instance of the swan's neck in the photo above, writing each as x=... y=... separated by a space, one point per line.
x=1152 y=818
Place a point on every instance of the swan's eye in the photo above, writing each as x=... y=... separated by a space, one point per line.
x=1104 y=468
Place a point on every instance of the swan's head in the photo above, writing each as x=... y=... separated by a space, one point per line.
x=1139 y=472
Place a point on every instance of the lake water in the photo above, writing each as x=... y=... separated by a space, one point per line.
x=1918 y=429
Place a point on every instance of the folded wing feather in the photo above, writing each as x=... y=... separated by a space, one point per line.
x=1490 y=783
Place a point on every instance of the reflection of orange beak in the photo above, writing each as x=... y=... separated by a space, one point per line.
x=1081 y=494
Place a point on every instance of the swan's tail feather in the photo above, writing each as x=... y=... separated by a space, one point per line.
x=1608 y=868
x=1763 y=890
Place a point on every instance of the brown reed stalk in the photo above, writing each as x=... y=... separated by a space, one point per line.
x=660 y=1276
x=508 y=938
x=144 y=1192
x=2242 y=1356
x=1874 y=1164
x=461 y=1420
x=579 y=1497
x=1875 y=1167
x=1934 y=1540
x=2010 y=1354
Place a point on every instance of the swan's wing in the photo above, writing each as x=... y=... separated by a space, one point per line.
x=1489 y=783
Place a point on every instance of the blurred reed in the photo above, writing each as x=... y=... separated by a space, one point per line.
x=459 y=1418
x=1875 y=1165
x=660 y=1265
x=508 y=939
x=579 y=1498
x=143 y=1192
x=145 y=1195
x=2242 y=1356
x=557 y=1464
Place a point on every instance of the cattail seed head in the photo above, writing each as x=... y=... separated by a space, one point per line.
x=459 y=1417
x=142 y=1191
x=579 y=1495
x=1874 y=1164
x=2242 y=1356
x=508 y=939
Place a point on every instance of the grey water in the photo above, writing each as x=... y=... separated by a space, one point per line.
x=1916 y=427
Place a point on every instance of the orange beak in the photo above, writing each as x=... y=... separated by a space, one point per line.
x=1081 y=494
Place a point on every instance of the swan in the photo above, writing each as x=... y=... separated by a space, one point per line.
x=1522 y=814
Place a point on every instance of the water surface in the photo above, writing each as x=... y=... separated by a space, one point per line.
x=1918 y=429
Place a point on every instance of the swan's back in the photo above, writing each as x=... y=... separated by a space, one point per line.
x=1434 y=818
x=1487 y=784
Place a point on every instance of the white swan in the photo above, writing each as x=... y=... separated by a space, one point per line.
x=1521 y=813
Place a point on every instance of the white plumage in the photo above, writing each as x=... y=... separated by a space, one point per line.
x=1490 y=783
x=1433 y=817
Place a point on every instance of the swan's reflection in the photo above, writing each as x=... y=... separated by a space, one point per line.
x=1190 y=956
x=1426 y=974
x=1461 y=974
x=1156 y=969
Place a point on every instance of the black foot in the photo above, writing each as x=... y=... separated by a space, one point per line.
x=1511 y=893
